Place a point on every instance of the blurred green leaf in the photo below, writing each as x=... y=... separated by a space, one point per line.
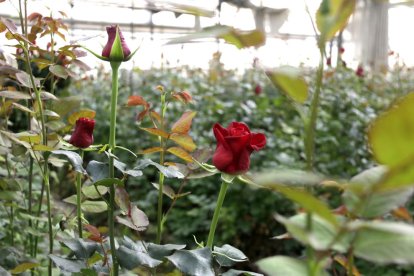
x=228 y=255
x=15 y=95
x=82 y=249
x=83 y=113
x=320 y=237
x=282 y=265
x=384 y=242
x=332 y=16
x=23 y=267
x=240 y=39
x=394 y=127
x=89 y=206
x=97 y=170
x=234 y=272
x=108 y=182
x=74 y=159
x=167 y=171
x=291 y=82
x=307 y=201
x=90 y=191
x=59 y=71
x=362 y=199
x=68 y=265
x=193 y=262
x=130 y=259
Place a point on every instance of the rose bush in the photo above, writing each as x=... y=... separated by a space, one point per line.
x=234 y=146
x=82 y=136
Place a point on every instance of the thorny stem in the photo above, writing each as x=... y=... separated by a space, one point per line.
x=112 y=144
x=220 y=200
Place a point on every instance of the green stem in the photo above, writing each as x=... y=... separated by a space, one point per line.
x=350 y=262
x=160 y=199
x=30 y=203
x=78 y=198
x=49 y=213
x=309 y=141
x=39 y=210
x=220 y=200
x=12 y=224
x=161 y=175
x=311 y=124
x=112 y=135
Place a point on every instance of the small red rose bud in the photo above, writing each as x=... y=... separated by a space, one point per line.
x=258 y=89
x=116 y=48
x=82 y=136
x=341 y=50
x=329 y=61
x=234 y=146
x=360 y=71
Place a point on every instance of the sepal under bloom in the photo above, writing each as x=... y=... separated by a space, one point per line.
x=82 y=136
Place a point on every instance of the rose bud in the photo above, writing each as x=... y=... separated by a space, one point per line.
x=234 y=146
x=258 y=89
x=329 y=61
x=82 y=136
x=116 y=48
x=359 y=71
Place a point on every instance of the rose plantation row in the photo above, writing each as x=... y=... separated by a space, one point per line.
x=116 y=174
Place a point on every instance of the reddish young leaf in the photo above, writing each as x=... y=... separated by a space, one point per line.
x=183 y=96
x=151 y=150
x=156 y=131
x=184 y=140
x=343 y=261
x=34 y=16
x=183 y=124
x=402 y=213
x=135 y=100
x=95 y=235
x=179 y=152
x=142 y=115
x=156 y=116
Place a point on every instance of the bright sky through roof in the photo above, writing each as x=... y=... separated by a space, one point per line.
x=277 y=51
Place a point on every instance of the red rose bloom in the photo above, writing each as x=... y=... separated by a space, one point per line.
x=82 y=136
x=113 y=32
x=234 y=146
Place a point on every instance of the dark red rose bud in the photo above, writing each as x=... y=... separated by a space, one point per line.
x=341 y=50
x=82 y=136
x=329 y=61
x=258 y=89
x=234 y=146
x=116 y=48
x=360 y=71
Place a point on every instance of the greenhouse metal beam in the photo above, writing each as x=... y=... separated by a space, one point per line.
x=95 y=26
